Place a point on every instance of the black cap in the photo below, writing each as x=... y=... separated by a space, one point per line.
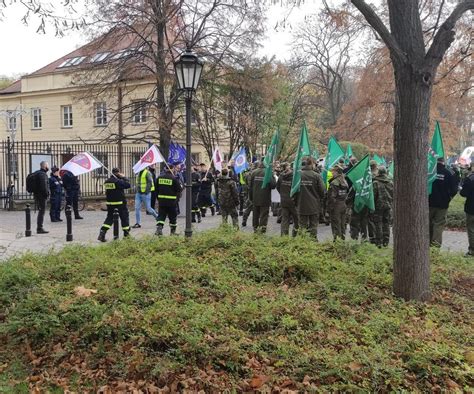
x=54 y=169
x=115 y=170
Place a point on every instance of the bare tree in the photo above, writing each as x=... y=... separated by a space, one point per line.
x=415 y=61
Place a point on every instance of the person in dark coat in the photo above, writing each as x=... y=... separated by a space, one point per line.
x=444 y=188
x=72 y=186
x=195 y=188
x=56 y=192
x=41 y=195
x=205 y=198
x=467 y=191
x=288 y=206
x=261 y=198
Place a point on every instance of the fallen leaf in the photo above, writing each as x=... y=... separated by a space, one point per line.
x=353 y=366
x=81 y=291
x=452 y=384
x=307 y=380
x=258 y=381
x=469 y=356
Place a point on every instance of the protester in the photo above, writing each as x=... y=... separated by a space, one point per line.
x=228 y=198
x=261 y=198
x=374 y=169
x=467 y=191
x=383 y=197
x=169 y=190
x=115 y=187
x=145 y=186
x=56 y=192
x=195 y=189
x=312 y=192
x=72 y=187
x=248 y=209
x=288 y=206
x=444 y=188
x=41 y=194
x=205 y=194
x=336 y=202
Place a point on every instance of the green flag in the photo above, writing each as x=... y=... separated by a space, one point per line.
x=436 y=151
x=348 y=154
x=335 y=152
x=379 y=160
x=303 y=150
x=361 y=178
x=391 y=169
x=270 y=157
x=315 y=154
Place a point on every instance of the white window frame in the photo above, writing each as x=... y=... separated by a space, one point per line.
x=36 y=119
x=73 y=61
x=100 y=114
x=66 y=123
x=99 y=57
x=11 y=121
x=139 y=112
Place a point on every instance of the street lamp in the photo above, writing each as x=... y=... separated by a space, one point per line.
x=188 y=70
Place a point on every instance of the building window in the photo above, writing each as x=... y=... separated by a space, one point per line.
x=36 y=118
x=100 y=110
x=99 y=57
x=66 y=111
x=195 y=158
x=104 y=159
x=11 y=121
x=74 y=61
x=139 y=112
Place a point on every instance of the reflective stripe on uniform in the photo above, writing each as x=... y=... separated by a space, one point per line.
x=126 y=228
x=114 y=203
x=165 y=197
x=173 y=225
x=159 y=222
x=106 y=226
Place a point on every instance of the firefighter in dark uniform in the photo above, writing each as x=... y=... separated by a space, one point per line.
x=56 y=194
x=115 y=187
x=205 y=198
x=195 y=188
x=168 y=190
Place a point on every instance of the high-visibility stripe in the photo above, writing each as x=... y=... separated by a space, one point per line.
x=126 y=228
x=114 y=203
x=106 y=226
x=165 y=197
x=173 y=225
x=160 y=222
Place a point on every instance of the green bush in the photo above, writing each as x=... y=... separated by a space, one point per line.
x=456 y=218
x=230 y=311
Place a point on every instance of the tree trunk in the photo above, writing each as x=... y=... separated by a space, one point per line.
x=411 y=224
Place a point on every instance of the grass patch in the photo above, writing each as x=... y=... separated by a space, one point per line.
x=230 y=311
x=456 y=217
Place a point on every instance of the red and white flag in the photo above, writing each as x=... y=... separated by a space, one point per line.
x=82 y=163
x=217 y=159
x=151 y=156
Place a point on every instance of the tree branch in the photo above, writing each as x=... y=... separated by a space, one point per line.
x=374 y=20
x=445 y=35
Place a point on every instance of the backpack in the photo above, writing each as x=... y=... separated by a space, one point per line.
x=32 y=181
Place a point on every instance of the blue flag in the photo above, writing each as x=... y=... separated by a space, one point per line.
x=177 y=153
x=241 y=163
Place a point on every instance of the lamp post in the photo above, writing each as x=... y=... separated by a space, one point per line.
x=188 y=70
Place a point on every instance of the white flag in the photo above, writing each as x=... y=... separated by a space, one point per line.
x=151 y=156
x=82 y=163
x=217 y=159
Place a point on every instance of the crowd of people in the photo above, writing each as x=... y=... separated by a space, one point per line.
x=232 y=195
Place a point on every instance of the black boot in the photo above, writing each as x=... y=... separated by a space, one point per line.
x=244 y=222
x=203 y=212
x=213 y=211
x=159 y=230
x=101 y=236
x=199 y=216
x=193 y=217
x=173 y=230
x=126 y=233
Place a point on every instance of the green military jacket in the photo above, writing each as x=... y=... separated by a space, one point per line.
x=311 y=192
x=260 y=197
x=284 y=188
x=338 y=191
x=228 y=194
x=383 y=192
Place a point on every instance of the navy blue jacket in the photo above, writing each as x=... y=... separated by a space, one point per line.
x=445 y=187
x=70 y=181
x=55 y=186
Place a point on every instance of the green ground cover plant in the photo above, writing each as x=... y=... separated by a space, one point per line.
x=456 y=218
x=232 y=311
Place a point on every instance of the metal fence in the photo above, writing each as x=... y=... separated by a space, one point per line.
x=20 y=158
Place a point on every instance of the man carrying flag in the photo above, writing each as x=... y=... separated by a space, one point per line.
x=442 y=187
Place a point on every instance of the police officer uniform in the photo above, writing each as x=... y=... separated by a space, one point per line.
x=115 y=187
x=168 y=191
x=56 y=192
x=195 y=188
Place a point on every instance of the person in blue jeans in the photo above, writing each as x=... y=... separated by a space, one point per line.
x=145 y=187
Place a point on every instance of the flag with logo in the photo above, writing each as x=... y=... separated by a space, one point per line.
x=270 y=157
x=82 y=163
x=240 y=161
x=217 y=159
x=378 y=160
x=335 y=153
x=304 y=149
x=361 y=178
x=151 y=156
x=436 y=151
x=348 y=154
x=391 y=169
x=177 y=153
x=315 y=154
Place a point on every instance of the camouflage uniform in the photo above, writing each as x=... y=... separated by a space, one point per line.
x=228 y=199
x=370 y=218
x=309 y=199
x=261 y=199
x=383 y=197
x=288 y=207
x=359 y=220
x=337 y=195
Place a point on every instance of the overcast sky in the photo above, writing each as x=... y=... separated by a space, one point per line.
x=24 y=50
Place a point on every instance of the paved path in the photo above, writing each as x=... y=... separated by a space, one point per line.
x=13 y=241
